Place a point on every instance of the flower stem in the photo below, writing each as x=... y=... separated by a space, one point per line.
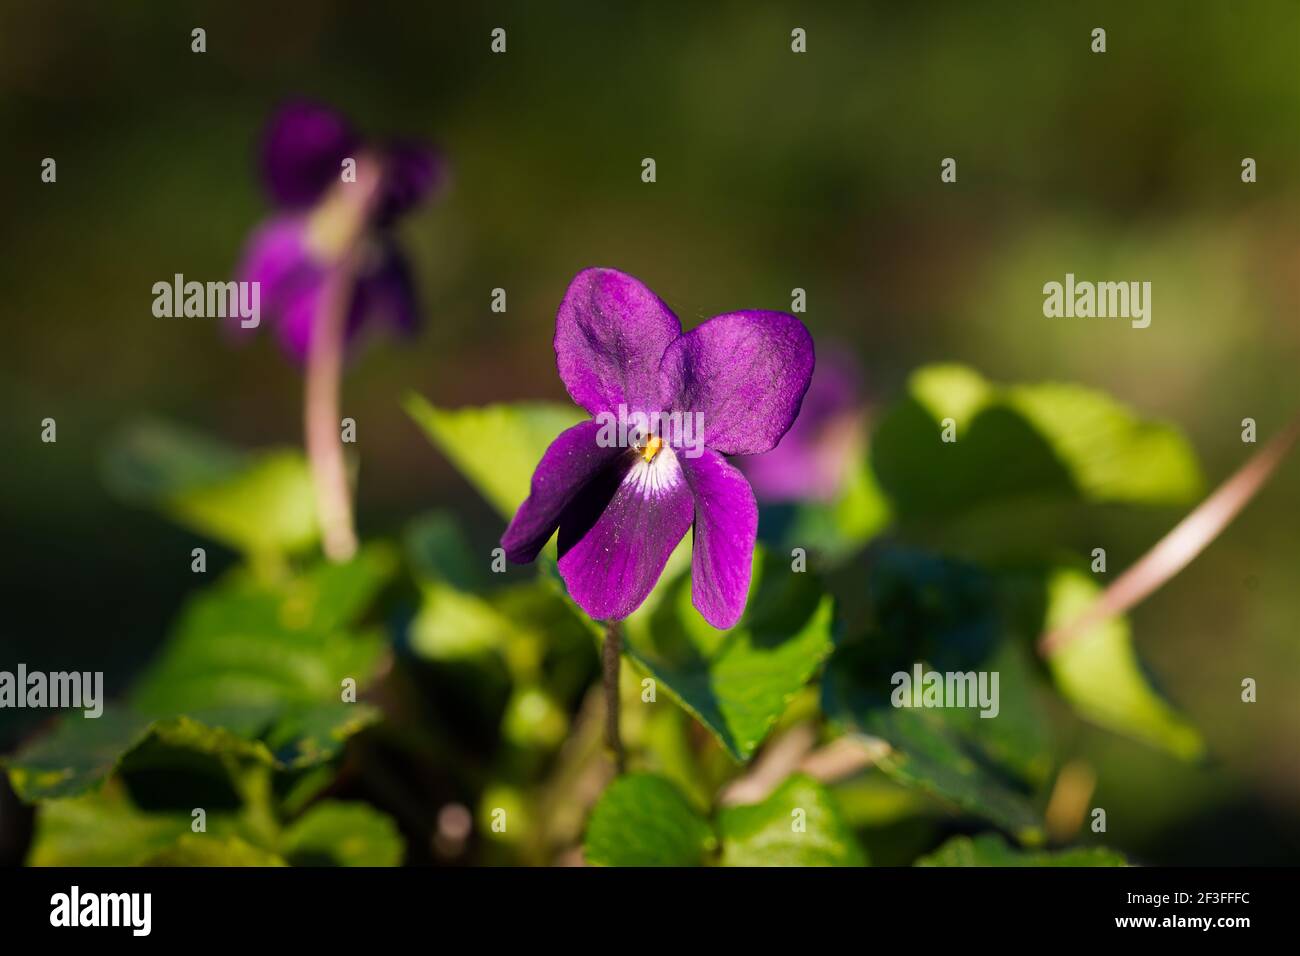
x=321 y=421
x=611 y=658
x=348 y=207
x=1179 y=547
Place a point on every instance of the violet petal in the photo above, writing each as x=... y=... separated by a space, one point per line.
x=412 y=172
x=277 y=258
x=303 y=151
x=745 y=372
x=610 y=334
x=726 y=526
x=568 y=466
x=385 y=294
x=616 y=537
x=813 y=459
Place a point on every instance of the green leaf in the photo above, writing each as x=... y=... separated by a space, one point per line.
x=258 y=504
x=452 y=625
x=1049 y=441
x=437 y=551
x=797 y=825
x=246 y=644
x=1110 y=453
x=75 y=756
x=643 y=820
x=311 y=734
x=101 y=829
x=496 y=447
x=989 y=849
x=521 y=623
x=1100 y=675
x=736 y=682
x=253 y=673
x=944 y=616
x=335 y=833
x=193 y=849
x=937 y=758
x=80 y=753
x=106 y=828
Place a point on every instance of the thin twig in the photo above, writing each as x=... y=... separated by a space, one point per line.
x=611 y=658
x=777 y=761
x=1180 y=546
x=838 y=760
x=844 y=757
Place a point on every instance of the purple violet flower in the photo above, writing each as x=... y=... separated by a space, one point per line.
x=293 y=251
x=621 y=507
x=812 y=461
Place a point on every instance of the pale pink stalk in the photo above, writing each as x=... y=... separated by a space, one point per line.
x=342 y=220
x=1180 y=546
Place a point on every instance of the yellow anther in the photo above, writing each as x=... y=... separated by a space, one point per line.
x=652 y=447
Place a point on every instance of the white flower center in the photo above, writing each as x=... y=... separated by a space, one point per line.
x=654 y=472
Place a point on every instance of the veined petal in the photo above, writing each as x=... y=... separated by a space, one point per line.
x=303 y=151
x=726 y=526
x=571 y=463
x=745 y=372
x=616 y=537
x=610 y=334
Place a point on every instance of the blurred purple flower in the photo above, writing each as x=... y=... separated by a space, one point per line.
x=293 y=251
x=813 y=460
x=621 y=510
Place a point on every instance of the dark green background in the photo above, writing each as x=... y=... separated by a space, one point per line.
x=775 y=170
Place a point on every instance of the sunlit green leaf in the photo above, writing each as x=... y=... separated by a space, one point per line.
x=101 y=829
x=1099 y=673
x=106 y=828
x=453 y=624
x=496 y=447
x=193 y=849
x=1044 y=441
x=643 y=820
x=335 y=833
x=246 y=644
x=736 y=682
x=257 y=503
x=989 y=849
x=799 y=824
